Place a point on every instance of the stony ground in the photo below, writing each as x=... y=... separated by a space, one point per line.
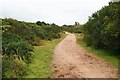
x=72 y=61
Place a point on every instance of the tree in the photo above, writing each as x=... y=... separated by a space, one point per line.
x=39 y=23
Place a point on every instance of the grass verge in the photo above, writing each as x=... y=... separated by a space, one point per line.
x=101 y=53
x=40 y=66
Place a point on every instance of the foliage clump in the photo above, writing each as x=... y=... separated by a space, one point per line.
x=18 y=39
x=103 y=28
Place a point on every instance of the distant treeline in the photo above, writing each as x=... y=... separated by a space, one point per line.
x=103 y=28
x=18 y=39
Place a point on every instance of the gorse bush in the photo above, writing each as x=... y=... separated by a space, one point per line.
x=12 y=67
x=18 y=40
x=103 y=29
x=16 y=55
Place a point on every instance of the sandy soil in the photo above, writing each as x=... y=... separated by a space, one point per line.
x=72 y=61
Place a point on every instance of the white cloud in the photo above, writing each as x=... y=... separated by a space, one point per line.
x=56 y=11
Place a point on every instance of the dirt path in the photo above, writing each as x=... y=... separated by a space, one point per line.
x=72 y=61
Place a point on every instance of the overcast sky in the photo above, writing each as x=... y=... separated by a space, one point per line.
x=51 y=11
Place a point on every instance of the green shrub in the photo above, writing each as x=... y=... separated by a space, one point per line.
x=103 y=29
x=12 y=67
x=18 y=37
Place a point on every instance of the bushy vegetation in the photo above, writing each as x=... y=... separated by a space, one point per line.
x=103 y=28
x=18 y=40
x=72 y=28
x=18 y=37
